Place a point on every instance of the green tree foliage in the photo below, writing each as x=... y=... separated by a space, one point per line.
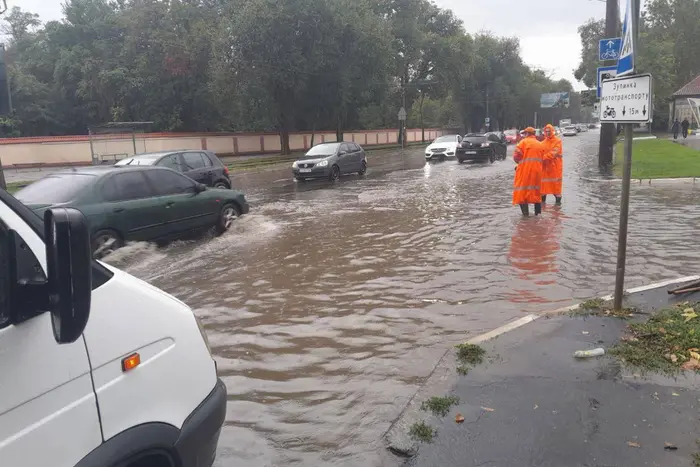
x=263 y=65
x=668 y=34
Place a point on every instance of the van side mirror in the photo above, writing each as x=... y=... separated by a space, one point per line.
x=69 y=271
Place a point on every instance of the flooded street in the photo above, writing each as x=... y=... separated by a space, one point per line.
x=328 y=305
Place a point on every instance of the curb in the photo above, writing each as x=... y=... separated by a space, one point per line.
x=443 y=376
x=647 y=181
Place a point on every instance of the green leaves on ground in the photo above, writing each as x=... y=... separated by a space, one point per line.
x=468 y=355
x=439 y=406
x=667 y=343
x=423 y=432
x=600 y=307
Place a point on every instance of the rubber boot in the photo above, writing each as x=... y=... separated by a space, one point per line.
x=558 y=200
x=538 y=209
x=544 y=198
x=525 y=209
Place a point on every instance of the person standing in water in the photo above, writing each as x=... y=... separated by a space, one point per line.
x=528 y=173
x=552 y=165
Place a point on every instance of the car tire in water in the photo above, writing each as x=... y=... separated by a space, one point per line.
x=492 y=156
x=335 y=173
x=223 y=185
x=105 y=242
x=363 y=169
x=300 y=179
x=229 y=213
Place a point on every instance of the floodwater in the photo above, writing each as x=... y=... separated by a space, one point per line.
x=329 y=305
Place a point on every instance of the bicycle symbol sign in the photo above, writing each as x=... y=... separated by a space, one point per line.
x=609 y=49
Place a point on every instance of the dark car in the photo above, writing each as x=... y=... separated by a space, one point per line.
x=330 y=160
x=201 y=166
x=140 y=203
x=482 y=147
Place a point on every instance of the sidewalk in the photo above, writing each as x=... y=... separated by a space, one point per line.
x=532 y=404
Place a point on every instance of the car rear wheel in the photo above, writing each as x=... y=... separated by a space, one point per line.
x=229 y=213
x=335 y=173
x=492 y=156
x=363 y=169
x=105 y=242
x=221 y=184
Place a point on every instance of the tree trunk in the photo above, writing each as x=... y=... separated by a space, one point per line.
x=339 y=130
x=313 y=128
x=3 y=185
x=284 y=142
x=422 y=127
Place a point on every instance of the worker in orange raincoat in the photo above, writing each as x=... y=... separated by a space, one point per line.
x=553 y=165
x=528 y=173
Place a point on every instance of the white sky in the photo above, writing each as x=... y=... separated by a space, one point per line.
x=548 y=30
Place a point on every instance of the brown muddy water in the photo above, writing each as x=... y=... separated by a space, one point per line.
x=329 y=305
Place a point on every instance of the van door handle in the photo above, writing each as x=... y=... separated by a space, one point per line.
x=118 y=209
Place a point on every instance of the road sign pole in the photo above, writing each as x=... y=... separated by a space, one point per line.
x=624 y=217
x=607 y=131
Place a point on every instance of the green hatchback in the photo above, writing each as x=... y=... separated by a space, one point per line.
x=139 y=203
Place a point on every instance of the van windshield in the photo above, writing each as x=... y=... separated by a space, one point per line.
x=55 y=189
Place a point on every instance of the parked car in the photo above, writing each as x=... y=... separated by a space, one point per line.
x=201 y=166
x=481 y=147
x=443 y=147
x=88 y=350
x=141 y=203
x=330 y=160
x=512 y=136
x=570 y=131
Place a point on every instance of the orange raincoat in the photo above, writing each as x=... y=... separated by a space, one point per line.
x=528 y=174
x=553 y=166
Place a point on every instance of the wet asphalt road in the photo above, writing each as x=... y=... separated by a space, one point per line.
x=329 y=305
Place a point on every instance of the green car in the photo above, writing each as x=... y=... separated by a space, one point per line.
x=139 y=203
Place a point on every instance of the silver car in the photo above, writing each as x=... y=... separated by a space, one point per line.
x=330 y=160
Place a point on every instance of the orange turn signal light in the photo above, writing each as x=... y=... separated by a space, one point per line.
x=131 y=362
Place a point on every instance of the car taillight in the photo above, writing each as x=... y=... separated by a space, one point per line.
x=226 y=171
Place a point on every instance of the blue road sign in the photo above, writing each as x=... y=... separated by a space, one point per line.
x=605 y=72
x=625 y=64
x=609 y=49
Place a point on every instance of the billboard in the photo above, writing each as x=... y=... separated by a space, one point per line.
x=554 y=100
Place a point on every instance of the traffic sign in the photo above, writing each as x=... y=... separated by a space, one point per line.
x=487 y=120
x=609 y=49
x=605 y=72
x=402 y=114
x=625 y=64
x=626 y=100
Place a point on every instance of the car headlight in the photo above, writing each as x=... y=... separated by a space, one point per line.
x=294 y=165
x=322 y=164
x=484 y=145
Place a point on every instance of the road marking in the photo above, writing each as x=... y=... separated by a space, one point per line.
x=504 y=329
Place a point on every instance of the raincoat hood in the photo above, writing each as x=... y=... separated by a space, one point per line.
x=550 y=127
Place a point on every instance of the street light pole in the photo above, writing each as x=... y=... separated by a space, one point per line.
x=607 y=130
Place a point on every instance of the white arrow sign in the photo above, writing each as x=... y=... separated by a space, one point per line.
x=626 y=100
x=402 y=114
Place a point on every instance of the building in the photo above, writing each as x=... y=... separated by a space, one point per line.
x=686 y=103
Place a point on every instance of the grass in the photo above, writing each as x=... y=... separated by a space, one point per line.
x=667 y=343
x=15 y=186
x=600 y=307
x=439 y=406
x=468 y=355
x=422 y=432
x=659 y=158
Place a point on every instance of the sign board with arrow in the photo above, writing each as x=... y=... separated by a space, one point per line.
x=626 y=100
x=402 y=114
x=609 y=49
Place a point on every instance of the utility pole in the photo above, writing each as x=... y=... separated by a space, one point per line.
x=607 y=130
x=487 y=108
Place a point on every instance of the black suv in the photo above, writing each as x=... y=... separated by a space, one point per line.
x=482 y=147
x=200 y=165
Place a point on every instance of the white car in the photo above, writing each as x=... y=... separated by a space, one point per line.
x=443 y=147
x=570 y=131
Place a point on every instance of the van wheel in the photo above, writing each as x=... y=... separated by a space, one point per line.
x=105 y=242
x=335 y=173
x=229 y=213
x=363 y=170
x=223 y=185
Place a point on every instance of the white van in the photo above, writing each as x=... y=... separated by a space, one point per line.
x=97 y=368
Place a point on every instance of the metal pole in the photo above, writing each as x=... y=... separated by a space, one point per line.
x=607 y=130
x=624 y=215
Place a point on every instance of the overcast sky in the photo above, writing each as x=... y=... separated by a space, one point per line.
x=547 y=29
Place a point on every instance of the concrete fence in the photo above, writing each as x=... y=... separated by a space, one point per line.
x=81 y=150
